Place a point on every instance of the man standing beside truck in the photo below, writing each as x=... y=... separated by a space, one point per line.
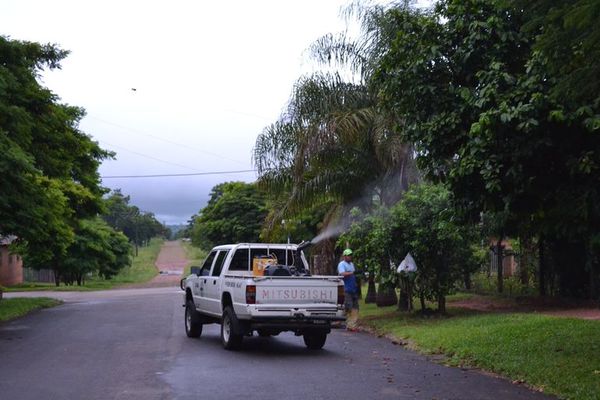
x=346 y=270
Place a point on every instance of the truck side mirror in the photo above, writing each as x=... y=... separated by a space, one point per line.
x=195 y=270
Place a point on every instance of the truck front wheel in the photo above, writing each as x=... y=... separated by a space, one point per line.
x=230 y=330
x=193 y=324
x=315 y=340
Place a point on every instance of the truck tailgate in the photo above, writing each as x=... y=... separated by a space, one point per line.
x=296 y=290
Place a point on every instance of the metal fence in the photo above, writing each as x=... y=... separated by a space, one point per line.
x=42 y=275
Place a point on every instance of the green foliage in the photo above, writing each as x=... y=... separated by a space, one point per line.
x=138 y=226
x=195 y=256
x=438 y=77
x=186 y=233
x=480 y=92
x=333 y=147
x=426 y=225
x=371 y=241
x=304 y=225
x=48 y=168
x=14 y=308
x=140 y=270
x=560 y=355
x=234 y=213
x=423 y=223
x=97 y=248
x=568 y=36
x=484 y=284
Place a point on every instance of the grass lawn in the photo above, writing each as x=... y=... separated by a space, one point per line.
x=141 y=270
x=14 y=308
x=195 y=255
x=559 y=355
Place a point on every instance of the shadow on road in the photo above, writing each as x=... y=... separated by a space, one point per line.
x=255 y=347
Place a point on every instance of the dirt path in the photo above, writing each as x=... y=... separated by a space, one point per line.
x=491 y=304
x=171 y=262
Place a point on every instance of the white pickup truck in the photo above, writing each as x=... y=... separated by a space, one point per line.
x=264 y=288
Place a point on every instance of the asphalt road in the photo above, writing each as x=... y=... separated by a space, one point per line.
x=130 y=344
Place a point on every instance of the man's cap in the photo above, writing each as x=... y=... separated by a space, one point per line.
x=347 y=252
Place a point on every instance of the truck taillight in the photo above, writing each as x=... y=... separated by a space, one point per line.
x=250 y=294
x=341 y=295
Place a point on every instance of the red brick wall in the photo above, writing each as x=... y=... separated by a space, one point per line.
x=11 y=268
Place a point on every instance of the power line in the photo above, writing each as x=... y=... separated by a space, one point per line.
x=148 y=156
x=172 y=175
x=185 y=146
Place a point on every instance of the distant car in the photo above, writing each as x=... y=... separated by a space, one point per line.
x=264 y=288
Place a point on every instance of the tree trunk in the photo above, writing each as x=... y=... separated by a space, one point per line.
x=386 y=296
x=499 y=259
x=542 y=267
x=592 y=281
x=403 y=302
x=525 y=259
x=467 y=280
x=422 y=300
x=442 y=304
x=591 y=265
x=371 y=291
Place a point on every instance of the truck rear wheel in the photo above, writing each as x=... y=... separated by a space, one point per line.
x=193 y=322
x=315 y=340
x=230 y=330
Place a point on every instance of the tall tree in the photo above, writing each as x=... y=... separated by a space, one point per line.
x=48 y=168
x=333 y=145
x=568 y=35
x=424 y=224
x=97 y=248
x=137 y=225
x=234 y=213
x=478 y=99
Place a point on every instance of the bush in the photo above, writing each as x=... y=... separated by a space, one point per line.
x=484 y=284
x=426 y=225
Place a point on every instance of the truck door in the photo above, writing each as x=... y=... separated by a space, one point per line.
x=212 y=287
x=199 y=289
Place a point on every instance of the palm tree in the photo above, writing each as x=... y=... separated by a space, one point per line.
x=332 y=142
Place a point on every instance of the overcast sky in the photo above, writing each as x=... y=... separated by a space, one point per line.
x=208 y=76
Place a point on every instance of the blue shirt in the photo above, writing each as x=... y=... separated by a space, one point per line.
x=350 y=280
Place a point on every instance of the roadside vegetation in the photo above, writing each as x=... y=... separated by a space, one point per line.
x=451 y=133
x=195 y=255
x=234 y=214
x=446 y=133
x=53 y=209
x=14 y=308
x=139 y=226
x=142 y=269
x=560 y=356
